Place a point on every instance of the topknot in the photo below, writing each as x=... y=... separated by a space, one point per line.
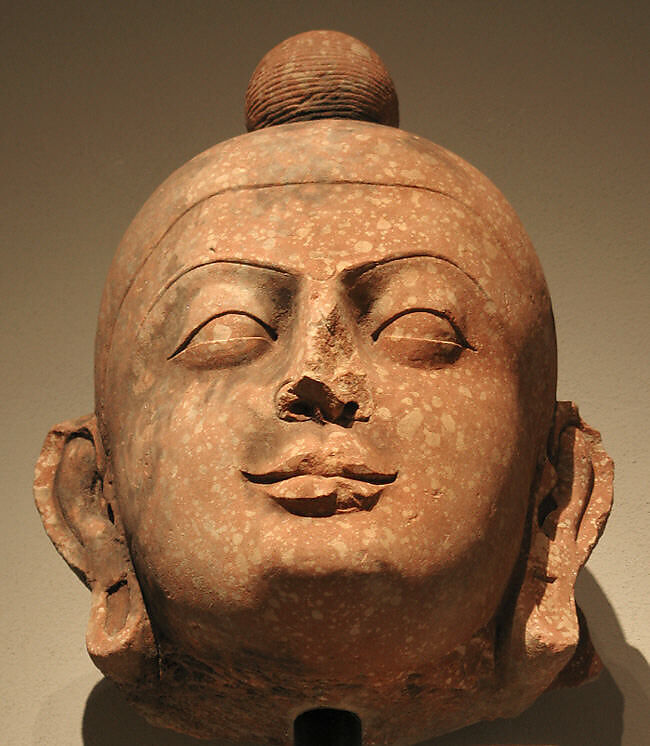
x=320 y=75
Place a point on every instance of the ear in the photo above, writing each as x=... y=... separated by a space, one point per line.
x=549 y=640
x=86 y=529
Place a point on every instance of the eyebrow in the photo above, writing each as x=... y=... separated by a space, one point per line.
x=352 y=274
x=186 y=270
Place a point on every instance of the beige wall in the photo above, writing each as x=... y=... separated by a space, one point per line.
x=102 y=100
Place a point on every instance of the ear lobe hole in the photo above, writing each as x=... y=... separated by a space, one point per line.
x=546 y=507
x=117 y=606
x=116 y=587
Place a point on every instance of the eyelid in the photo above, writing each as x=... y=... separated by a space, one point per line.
x=189 y=337
x=434 y=312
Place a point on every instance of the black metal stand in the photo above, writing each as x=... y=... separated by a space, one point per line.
x=327 y=727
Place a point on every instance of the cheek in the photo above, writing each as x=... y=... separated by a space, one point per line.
x=466 y=414
x=180 y=447
x=189 y=435
x=464 y=460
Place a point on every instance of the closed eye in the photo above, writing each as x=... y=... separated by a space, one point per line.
x=460 y=337
x=421 y=338
x=224 y=339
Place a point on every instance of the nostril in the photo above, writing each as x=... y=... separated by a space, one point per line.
x=301 y=408
x=310 y=398
x=346 y=417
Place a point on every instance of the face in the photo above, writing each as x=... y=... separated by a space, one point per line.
x=315 y=428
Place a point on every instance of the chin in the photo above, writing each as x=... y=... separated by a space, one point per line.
x=262 y=692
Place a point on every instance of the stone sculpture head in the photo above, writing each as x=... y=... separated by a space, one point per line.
x=327 y=468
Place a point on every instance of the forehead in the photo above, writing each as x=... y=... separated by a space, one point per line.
x=323 y=230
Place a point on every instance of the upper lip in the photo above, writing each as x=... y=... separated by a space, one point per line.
x=328 y=464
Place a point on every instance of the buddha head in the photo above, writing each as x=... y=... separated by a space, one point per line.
x=327 y=468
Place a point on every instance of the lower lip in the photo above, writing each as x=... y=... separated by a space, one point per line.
x=316 y=496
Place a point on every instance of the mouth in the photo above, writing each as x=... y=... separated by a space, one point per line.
x=318 y=487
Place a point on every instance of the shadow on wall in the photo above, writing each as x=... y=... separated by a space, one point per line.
x=591 y=714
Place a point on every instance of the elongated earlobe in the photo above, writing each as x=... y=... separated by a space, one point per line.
x=549 y=640
x=85 y=528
